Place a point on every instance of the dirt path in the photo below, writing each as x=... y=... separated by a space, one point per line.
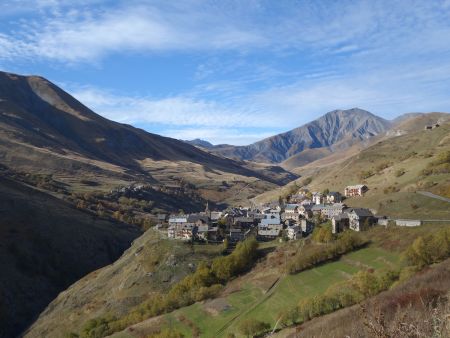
x=429 y=194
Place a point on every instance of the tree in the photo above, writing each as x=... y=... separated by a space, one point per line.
x=290 y=316
x=167 y=333
x=366 y=282
x=100 y=209
x=252 y=327
x=117 y=215
x=226 y=245
x=81 y=204
x=280 y=201
x=418 y=253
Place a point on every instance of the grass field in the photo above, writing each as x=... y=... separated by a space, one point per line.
x=251 y=301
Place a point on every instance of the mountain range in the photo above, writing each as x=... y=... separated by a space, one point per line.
x=45 y=130
x=335 y=130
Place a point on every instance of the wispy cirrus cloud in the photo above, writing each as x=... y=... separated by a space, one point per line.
x=253 y=65
x=172 y=111
x=90 y=34
x=93 y=29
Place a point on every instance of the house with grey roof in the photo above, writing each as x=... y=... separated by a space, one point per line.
x=357 y=219
x=270 y=228
x=294 y=232
x=330 y=210
x=236 y=235
x=360 y=219
x=334 y=197
x=339 y=223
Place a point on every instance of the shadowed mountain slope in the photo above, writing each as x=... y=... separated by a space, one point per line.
x=42 y=128
x=36 y=112
x=46 y=245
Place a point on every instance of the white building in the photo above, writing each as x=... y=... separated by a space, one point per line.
x=408 y=222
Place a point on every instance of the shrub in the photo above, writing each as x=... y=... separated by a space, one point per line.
x=167 y=333
x=322 y=234
x=252 y=327
x=382 y=166
x=360 y=286
x=407 y=155
x=400 y=172
x=365 y=174
x=391 y=189
x=429 y=249
x=346 y=242
x=307 y=180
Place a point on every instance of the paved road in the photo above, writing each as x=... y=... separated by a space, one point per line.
x=429 y=194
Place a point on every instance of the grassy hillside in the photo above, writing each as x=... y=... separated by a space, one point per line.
x=394 y=169
x=253 y=301
x=405 y=307
x=151 y=265
x=264 y=293
x=45 y=246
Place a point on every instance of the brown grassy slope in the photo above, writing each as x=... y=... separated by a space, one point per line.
x=407 y=303
x=44 y=128
x=407 y=123
x=390 y=193
x=152 y=264
x=46 y=245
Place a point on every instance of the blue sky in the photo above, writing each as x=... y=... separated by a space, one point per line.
x=233 y=71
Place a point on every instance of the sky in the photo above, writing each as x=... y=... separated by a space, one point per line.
x=233 y=71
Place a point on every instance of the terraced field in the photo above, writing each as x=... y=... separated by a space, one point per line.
x=222 y=316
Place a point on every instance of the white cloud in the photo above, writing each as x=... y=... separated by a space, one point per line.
x=87 y=33
x=175 y=111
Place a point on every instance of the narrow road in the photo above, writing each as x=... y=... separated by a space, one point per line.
x=429 y=194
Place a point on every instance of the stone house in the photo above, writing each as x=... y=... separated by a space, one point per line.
x=355 y=190
x=339 y=223
x=334 y=197
x=360 y=219
x=331 y=210
x=294 y=232
x=236 y=235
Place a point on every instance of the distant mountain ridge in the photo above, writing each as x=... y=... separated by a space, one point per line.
x=336 y=129
x=200 y=143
